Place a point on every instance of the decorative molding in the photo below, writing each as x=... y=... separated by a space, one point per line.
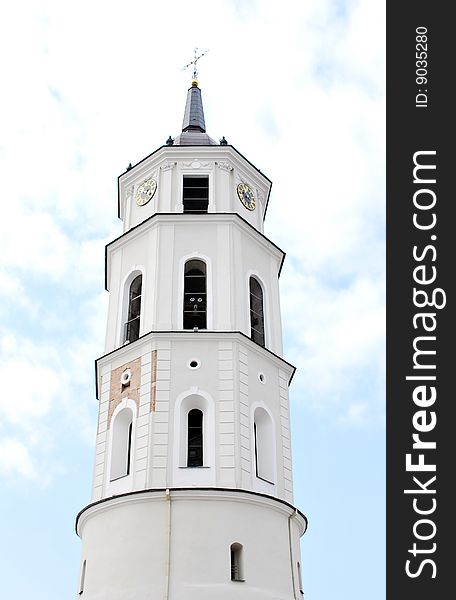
x=153 y=382
x=129 y=191
x=225 y=166
x=195 y=164
x=166 y=166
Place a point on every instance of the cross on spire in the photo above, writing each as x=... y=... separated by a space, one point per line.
x=194 y=61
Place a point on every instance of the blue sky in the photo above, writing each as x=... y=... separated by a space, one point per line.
x=298 y=88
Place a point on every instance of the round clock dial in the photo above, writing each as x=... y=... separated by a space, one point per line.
x=246 y=196
x=146 y=191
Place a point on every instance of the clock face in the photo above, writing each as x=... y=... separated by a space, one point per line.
x=246 y=196
x=145 y=191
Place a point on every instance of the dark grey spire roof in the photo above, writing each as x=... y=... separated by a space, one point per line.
x=194 y=114
x=193 y=125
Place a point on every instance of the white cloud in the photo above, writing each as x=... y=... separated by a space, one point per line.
x=48 y=395
x=337 y=344
x=34 y=242
x=32 y=388
x=356 y=415
x=15 y=460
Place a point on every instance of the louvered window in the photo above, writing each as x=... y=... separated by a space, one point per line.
x=195 y=195
x=256 y=312
x=195 y=302
x=236 y=562
x=134 y=310
x=195 y=438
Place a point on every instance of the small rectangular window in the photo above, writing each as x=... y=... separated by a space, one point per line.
x=195 y=196
x=236 y=562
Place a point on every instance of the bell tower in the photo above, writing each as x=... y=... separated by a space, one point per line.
x=192 y=488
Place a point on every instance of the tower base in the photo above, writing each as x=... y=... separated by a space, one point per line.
x=178 y=543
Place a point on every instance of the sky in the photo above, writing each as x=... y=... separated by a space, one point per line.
x=88 y=87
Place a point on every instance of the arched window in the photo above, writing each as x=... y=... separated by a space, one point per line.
x=195 y=294
x=121 y=444
x=82 y=580
x=256 y=312
x=300 y=578
x=195 y=438
x=264 y=445
x=134 y=310
x=237 y=573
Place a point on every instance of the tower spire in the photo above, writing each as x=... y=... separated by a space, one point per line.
x=194 y=114
x=193 y=125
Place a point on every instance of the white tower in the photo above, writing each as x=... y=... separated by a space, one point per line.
x=192 y=491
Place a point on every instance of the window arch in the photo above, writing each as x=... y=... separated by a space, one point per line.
x=183 y=473
x=122 y=429
x=195 y=438
x=195 y=296
x=131 y=332
x=256 y=312
x=236 y=563
x=264 y=444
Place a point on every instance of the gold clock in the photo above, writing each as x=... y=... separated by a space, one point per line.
x=246 y=196
x=145 y=191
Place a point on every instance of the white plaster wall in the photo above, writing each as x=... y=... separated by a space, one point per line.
x=156 y=546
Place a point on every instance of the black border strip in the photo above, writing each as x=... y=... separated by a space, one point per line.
x=420 y=261
x=191 y=489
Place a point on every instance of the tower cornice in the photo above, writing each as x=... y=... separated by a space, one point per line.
x=180 y=218
x=202 y=335
x=170 y=154
x=199 y=493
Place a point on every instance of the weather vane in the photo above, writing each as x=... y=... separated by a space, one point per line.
x=194 y=61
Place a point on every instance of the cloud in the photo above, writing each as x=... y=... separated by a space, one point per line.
x=47 y=398
x=356 y=415
x=337 y=344
x=15 y=460
x=33 y=388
